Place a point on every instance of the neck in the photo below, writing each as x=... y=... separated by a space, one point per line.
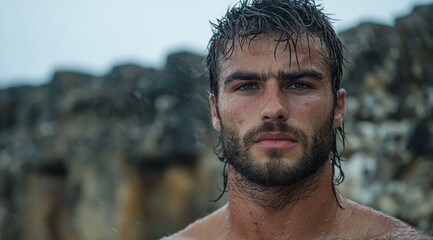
x=301 y=211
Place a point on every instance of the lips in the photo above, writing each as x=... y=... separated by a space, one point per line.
x=275 y=140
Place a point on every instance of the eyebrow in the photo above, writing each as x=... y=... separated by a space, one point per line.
x=305 y=73
x=246 y=76
x=282 y=76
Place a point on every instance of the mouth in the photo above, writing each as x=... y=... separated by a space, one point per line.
x=275 y=140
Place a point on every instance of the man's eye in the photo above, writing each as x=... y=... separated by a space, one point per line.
x=246 y=87
x=299 y=86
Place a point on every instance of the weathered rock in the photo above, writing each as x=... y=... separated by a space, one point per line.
x=111 y=157
x=390 y=117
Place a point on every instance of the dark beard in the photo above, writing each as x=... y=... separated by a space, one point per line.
x=276 y=172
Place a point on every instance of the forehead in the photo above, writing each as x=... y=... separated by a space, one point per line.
x=265 y=52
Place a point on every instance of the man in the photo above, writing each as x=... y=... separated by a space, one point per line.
x=275 y=68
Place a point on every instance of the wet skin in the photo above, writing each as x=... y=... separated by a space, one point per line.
x=257 y=86
x=265 y=83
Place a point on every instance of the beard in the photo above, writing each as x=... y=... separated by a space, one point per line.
x=278 y=171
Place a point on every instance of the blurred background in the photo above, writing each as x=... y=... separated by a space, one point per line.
x=105 y=131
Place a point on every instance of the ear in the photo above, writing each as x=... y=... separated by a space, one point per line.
x=213 y=107
x=340 y=108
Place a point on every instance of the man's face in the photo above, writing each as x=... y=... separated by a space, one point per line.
x=275 y=110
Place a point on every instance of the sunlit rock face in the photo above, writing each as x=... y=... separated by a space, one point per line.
x=389 y=117
x=128 y=155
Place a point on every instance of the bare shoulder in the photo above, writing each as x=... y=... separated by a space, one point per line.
x=201 y=229
x=372 y=224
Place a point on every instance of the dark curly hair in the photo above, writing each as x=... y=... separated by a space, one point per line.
x=290 y=20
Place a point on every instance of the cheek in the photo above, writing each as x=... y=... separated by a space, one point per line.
x=237 y=115
x=232 y=119
x=312 y=110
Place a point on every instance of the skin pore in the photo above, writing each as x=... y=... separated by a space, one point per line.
x=276 y=111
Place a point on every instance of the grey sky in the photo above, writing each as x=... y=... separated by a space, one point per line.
x=38 y=37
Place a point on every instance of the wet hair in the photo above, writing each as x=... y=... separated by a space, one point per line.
x=289 y=21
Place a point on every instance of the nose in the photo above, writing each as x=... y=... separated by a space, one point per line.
x=274 y=104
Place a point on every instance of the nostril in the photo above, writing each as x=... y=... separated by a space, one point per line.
x=269 y=117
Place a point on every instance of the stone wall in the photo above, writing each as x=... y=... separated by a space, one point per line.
x=129 y=155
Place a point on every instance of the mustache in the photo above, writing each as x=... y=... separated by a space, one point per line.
x=277 y=126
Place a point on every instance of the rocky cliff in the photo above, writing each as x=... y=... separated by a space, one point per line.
x=129 y=155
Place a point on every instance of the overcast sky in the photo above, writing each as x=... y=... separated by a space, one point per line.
x=39 y=37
